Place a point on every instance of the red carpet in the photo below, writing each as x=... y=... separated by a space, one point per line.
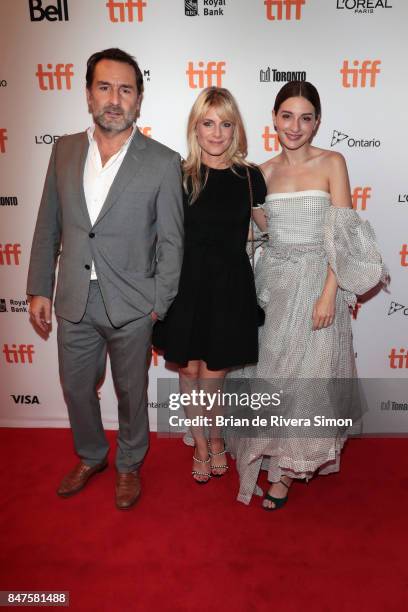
x=339 y=544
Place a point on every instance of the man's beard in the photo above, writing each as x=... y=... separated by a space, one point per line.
x=123 y=121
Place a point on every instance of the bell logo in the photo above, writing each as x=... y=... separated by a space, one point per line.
x=271 y=140
x=120 y=15
x=53 y=12
x=360 y=196
x=23 y=354
x=358 y=75
x=398 y=361
x=62 y=73
x=279 y=4
x=3 y=139
x=404 y=255
x=9 y=254
x=205 y=75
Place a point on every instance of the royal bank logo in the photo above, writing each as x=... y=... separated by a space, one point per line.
x=210 y=8
x=8 y=201
x=191 y=8
x=14 y=305
x=51 y=11
x=273 y=75
x=363 y=7
x=351 y=142
x=397 y=307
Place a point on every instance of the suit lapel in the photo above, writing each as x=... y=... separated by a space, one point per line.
x=84 y=146
x=130 y=168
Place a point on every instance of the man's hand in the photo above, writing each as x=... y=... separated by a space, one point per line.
x=40 y=312
x=154 y=316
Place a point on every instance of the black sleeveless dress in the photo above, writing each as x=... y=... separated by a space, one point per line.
x=214 y=315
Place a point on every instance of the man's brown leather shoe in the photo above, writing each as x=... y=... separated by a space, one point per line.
x=128 y=489
x=78 y=477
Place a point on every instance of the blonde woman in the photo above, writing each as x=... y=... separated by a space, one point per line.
x=212 y=324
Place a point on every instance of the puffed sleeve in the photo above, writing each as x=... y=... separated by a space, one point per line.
x=352 y=252
x=258 y=186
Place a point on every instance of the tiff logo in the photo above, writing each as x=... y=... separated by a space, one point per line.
x=3 y=139
x=404 y=255
x=360 y=196
x=9 y=254
x=272 y=14
x=205 y=75
x=120 y=15
x=23 y=354
x=271 y=140
x=61 y=72
x=359 y=75
x=53 y=12
x=146 y=130
x=398 y=361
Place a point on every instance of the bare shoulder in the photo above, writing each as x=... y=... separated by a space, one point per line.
x=333 y=160
x=269 y=167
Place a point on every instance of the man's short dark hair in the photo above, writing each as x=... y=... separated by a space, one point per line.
x=117 y=55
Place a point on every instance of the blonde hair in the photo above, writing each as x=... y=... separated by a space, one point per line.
x=222 y=101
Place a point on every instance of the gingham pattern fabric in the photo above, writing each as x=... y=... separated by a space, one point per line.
x=305 y=234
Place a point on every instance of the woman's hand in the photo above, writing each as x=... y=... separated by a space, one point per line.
x=324 y=311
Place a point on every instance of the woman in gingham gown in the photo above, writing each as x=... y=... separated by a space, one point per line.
x=318 y=257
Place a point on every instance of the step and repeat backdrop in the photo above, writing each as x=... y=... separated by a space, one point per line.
x=354 y=51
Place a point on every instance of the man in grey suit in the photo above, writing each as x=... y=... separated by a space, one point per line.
x=112 y=203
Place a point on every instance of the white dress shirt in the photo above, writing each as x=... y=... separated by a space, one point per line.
x=98 y=179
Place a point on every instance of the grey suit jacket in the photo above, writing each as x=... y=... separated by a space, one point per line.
x=136 y=242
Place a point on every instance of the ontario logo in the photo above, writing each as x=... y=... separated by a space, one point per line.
x=351 y=142
x=397 y=307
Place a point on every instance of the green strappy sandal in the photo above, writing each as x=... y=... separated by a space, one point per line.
x=278 y=501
